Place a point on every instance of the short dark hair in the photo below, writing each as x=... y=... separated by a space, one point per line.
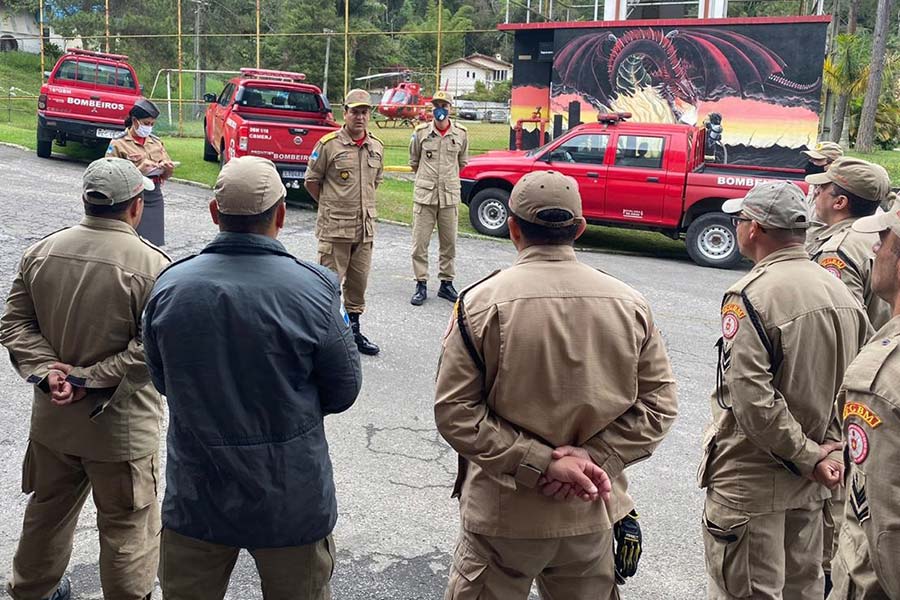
x=542 y=235
x=858 y=207
x=107 y=211
x=258 y=223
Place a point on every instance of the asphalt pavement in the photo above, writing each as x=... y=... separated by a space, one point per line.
x=397 y=524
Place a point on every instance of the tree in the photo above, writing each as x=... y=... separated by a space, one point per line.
x=846 y=74
x=865 y=138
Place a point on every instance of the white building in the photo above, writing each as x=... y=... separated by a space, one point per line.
x=20 y=31
x=459 y=76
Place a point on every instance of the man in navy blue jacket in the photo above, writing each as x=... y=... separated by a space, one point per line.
x=252 y=349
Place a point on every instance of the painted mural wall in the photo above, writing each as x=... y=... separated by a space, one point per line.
x=763 y=77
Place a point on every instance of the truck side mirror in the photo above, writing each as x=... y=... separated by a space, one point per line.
x=209 y=97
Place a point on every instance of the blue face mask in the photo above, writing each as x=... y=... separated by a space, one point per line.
x=440 y=113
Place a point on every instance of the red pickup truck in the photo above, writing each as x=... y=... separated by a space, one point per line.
x=86 y=99
x=634 y=175
x=271 y=114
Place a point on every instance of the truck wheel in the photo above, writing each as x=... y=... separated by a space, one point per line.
x=209 y=151
x=44 y=147
x=489 y=211
x=712 y=242
x=222 y=159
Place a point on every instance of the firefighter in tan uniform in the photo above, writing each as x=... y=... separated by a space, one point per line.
x=538 y=428
x=789 y=330
x=868 y=555
x=72 y=327
x=819 y=159
x=437 y=151
x=345 y=169
x=851 y=188
x=138 y=144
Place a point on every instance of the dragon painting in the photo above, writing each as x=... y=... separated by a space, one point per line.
x=681 y=66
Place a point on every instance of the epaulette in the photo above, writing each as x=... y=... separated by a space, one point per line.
x=120 y=135
x=155 y=137
x=375 y=137
x=155 y=247
x=327 y=137
x=172 y=264
x=422 y=125
x=459 y=126
x=479 y=282
x=741 y=284
x=833 y=243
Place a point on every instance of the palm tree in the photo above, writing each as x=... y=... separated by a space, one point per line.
x=846 y=74
x=865 y=138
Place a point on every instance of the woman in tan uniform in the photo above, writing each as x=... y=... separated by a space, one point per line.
x=146 y=151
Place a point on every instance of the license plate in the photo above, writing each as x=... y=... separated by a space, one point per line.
x=107 y=133
x=292 y=174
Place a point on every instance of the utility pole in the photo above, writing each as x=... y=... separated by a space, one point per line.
x=327 y=55
x=198 y=92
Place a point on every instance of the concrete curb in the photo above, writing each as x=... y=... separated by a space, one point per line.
x=16 y=146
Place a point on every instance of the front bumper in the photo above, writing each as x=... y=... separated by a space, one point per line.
x=466 y=190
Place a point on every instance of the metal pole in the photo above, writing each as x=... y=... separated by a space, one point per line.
x=180 y=79
x=169 y=95
x=596 y=6
x=550 y=16
x=257 y=34
x=42 y=40
x=107 y=25
x=507 y=12
x=197 y=91
x=327 y=55
x=541 y=7
x=346 y=47
x=528 y=12
x=440 y=34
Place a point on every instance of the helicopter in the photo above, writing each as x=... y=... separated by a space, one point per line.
x=404 y=104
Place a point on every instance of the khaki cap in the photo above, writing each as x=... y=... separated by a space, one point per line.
x=542 y=190
x=825 y=151
x=442 y=95
x=860 y=177
x=116 y=179
x=356 y=98
x=248 y=185
x=880 y=222
x=775 y=204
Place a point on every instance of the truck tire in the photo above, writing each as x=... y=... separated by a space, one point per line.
x=44 y=147
x=222 y=159
x=712 y=242
x=209 y=151
x=489 y=211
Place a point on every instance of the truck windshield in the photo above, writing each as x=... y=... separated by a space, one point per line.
x=539 y=149
x=272 y=98
x=96 y=73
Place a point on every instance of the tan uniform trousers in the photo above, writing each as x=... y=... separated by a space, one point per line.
x=748 y=554
x=352 y=262
x=192 y=569
x=127 y=518
x=569 y=568
x=425 y=216
x=833 y=521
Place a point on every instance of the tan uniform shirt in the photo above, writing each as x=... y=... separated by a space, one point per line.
x=771 y=411
x=848 y=255
x=571 y=357
x=436 y=160
x=78 y=299
x=870 y=540
x=145 y=156
x=348 y=175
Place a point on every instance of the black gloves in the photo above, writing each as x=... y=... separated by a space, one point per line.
x=628 y=538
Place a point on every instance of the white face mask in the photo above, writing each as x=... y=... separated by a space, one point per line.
x=144 y=130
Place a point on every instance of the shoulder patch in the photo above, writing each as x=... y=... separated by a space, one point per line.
x=732 y=313
x=863 y=413
x=833 y=265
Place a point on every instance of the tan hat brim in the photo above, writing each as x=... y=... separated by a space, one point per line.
x=148 y=184
x=358 y=104
x=876 y=223
x=814 y=154
x=733 y=206
x=818 y=178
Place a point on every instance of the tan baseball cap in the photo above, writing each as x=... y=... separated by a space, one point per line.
x=115 y=179
x=356 y=98
x=542 y=190
x=825 y=151
x=880 y=222
x=775 y=204
x=860 y=177
x=248 y=185
x=442 y=95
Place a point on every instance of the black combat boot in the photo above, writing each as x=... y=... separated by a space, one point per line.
x=362 y=342
x=447 y=291
x=421 y=293
x=63 y=590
